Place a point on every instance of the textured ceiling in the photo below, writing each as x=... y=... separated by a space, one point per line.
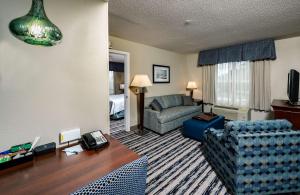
x=214 y=23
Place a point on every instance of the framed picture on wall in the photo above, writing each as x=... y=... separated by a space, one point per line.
x=161 y=74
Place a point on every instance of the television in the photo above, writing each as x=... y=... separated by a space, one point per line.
x=293 y=86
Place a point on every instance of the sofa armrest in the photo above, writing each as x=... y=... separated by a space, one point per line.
x=151 y=116
x=151 y=112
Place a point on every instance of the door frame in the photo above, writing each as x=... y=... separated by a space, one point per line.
x=126 y=87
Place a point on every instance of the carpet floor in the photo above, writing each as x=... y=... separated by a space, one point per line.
x=117 y=126
x=176 y=164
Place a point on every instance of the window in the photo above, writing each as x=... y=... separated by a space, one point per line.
x=232 y=87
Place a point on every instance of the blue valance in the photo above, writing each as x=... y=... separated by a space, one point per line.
x=252 y=51
x=116 y=66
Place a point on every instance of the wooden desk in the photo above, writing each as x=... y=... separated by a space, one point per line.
x=283 y=110
x=58 y=174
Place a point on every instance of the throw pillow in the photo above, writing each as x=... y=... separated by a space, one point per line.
x=187 y=101
x=155 y=105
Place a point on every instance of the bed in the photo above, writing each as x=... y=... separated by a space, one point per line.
x=117 y=106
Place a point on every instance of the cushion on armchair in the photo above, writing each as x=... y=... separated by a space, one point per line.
x=129 y=179
x=242 y=127
x=235 y=128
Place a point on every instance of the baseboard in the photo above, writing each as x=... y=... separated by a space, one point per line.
x=134 y=127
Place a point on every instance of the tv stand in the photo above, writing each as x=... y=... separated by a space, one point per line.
x=284 y=110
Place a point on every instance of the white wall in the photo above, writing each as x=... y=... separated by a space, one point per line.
x=194 y=73
x=142 y=57
x=288 y=57
x=44 y=90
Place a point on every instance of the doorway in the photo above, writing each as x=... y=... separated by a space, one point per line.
x=119 y=78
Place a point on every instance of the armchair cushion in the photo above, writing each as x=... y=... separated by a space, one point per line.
x=129 y=179
x=237 y=127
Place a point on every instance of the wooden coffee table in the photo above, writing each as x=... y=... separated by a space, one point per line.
x=58 y=174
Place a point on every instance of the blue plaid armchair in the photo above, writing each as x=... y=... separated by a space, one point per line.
x=127 y=180
x=255 y=157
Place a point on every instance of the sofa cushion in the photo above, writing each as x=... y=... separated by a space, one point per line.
x=169 y=101
x=177 y=100
x=187 y=101
x=155 y=105
x=173 y=113
x=165 y=102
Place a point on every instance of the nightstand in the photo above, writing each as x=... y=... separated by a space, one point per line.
x=198 y=103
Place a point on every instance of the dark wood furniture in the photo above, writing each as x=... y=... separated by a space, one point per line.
x=206 y=117
x=57 y=173
x=198 y=103
x=283 y=110
x=141 y=100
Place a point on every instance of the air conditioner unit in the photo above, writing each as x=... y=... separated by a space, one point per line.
x=232 y=113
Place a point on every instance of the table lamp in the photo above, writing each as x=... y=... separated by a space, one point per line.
x=122 y=87
x=140 y=81
x=191 y=86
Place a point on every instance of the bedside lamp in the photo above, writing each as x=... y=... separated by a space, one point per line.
x=122 y=87
x=191 y=86
x=141 y=81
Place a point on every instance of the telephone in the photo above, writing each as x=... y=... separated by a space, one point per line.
x=94 y=140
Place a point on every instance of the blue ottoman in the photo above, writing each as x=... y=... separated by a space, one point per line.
x=194 y=128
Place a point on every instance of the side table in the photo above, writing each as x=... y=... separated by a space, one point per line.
x=199 y=102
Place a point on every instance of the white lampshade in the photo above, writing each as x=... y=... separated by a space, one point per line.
x=141 y=80
x=191 y=85
x=122 y=86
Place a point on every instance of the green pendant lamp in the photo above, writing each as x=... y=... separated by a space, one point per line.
x=35 y=28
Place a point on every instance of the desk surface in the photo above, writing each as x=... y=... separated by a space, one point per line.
x=58 y=174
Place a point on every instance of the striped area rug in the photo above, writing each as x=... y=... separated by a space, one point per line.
x=117 y=126
x=175 y=164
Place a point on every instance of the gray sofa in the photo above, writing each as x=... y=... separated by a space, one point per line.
x=172 y=116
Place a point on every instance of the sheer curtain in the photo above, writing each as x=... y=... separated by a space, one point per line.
x=233 y=84
x=260 y=93
x=208 y=79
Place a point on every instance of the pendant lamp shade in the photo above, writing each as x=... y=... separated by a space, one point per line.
x=35 y=28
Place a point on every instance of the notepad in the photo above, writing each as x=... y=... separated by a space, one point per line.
x=73 y=150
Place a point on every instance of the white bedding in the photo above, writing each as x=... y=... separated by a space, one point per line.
x=117 y=103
